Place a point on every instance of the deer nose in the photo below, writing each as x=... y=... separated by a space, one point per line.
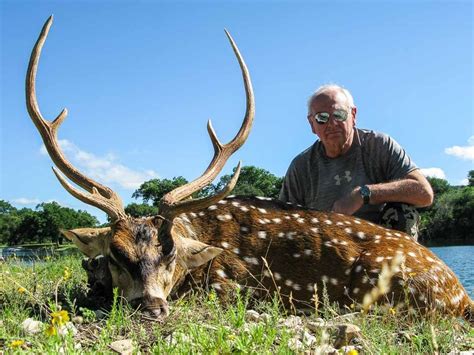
x=156 y=308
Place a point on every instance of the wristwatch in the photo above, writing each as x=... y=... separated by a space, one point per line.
x=365 y=193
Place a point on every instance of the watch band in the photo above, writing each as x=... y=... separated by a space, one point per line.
x=365 y=193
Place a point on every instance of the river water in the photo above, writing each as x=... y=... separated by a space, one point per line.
x=459 y=258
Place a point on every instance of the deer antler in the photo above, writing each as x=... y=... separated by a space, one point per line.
x=171 y=204
x=97 y=195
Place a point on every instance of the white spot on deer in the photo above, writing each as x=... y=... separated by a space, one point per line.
x=244 y=209
x=328 y=244
x=365 y=279
x=310 y=287
x=230 y=196
x=225 y=245
x=431 y=260
x=388 y=233
x=254 y=261
x=236 y=251
x=398 y=234
x=375 y=271
x=351 y=258
x=193 y=215
x=222 y=202
x=377 y=242
x=263 y=198
x=347 y=272
x=421 y=297
x=407 y=237
x=334 y=240
x=339 y=224
x=324 y=278
x=343 y=242
x=212 y=207
x=224 y=217
x=287 y=217
x=314 y=220
x=281 y=234
x=185 y=218
x=276 y=220
x=357 y=222
x=328 y=221
x=300 y=220
x=307 y=252
x=201 y=214
x=262 y=234
x=367 y=253
x=379 y=259
x=355 y=291
x=262 y=210
x=377 y=237
x=235 y=203
x=277 y=276
x=334 y=281
x=261 y=221
x=412 y=254
x=348 y=222
x=315 y=230
x=296 y=287
x=371 y=224
x=252 y=207
x=358 y=268
x=295 y=215
x=244 y=229
x=361 y=235
x=266 y=273
x=288 y=282
x=216 y=285
x=296 y=255
x=221 y=273
x=348 y=230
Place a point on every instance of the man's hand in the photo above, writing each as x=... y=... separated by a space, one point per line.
x=349 y=204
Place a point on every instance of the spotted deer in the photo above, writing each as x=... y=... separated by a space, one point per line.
x=223 y=242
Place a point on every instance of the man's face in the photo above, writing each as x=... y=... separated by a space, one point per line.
x=336 y=136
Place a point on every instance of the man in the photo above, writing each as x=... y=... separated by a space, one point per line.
x=354 y=171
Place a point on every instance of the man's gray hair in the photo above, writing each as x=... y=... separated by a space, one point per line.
x=330 y=87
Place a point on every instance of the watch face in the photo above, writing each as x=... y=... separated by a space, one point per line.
x=364 y=191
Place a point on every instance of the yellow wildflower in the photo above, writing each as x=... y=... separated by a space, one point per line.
x=231 y=337
x=51 y=330
x=352 y=305
x=411 y=274
x=21 y=290
x=352 y=352
x=66 y=273
x=16 y=343
x=59 y=318
x=392 y=311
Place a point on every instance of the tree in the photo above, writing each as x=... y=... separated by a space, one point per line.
x=141 y=210
x=438 y=185
x=9 y=220
x=153 y=190
x=470 y=177
x=253 y=181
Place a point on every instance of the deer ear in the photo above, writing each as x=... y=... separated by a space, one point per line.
x=90 y=241
x=195 y=253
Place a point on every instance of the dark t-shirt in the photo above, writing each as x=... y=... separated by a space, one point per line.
x=315 y=181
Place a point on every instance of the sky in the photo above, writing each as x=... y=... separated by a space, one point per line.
x=140 y=79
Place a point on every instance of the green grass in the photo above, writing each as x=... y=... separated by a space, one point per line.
x=198 y=323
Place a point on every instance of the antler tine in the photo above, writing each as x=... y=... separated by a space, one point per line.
x=222 y=152
x=48 y=131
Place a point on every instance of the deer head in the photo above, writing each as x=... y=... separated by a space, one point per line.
x=142 y=253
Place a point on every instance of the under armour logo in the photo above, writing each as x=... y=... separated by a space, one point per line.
x=347 y=176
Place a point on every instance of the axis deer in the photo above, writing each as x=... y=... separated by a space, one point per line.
x=254 y=242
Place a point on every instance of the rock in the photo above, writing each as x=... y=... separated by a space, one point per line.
x=265 y=317
x=308 y=339
x=346 y=332
x=123 y=347
x=292 y=322
x=67 y=328
x=252 y=316
x=78 y=320
x=295 y=344
x=324 y=349
x=31 y=326
x=316 y=325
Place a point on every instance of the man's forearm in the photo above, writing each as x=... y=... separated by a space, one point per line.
x=412 y=190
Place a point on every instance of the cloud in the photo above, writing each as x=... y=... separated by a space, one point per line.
x=434 y=172
x=465 y=152
x=464 y=182
x=106 y=169
x=26 y=201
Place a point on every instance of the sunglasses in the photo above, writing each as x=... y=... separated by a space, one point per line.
x=323 y=117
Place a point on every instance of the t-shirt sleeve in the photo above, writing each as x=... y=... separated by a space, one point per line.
x=394 y=160
x=291 y=189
